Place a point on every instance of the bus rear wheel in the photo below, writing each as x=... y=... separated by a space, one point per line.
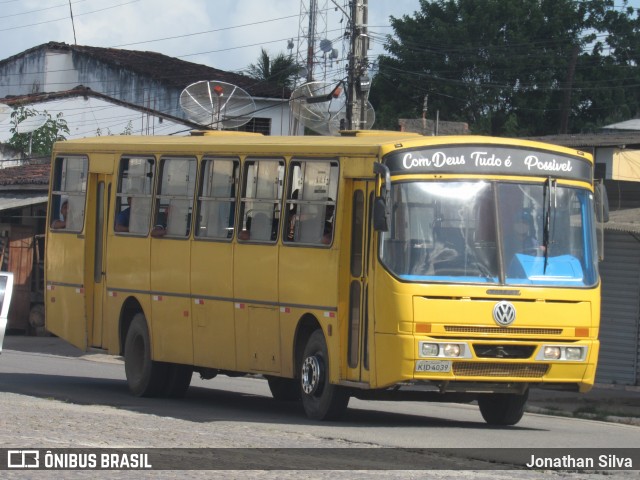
x=321 y=400
x=145 y=377
x=177 y=381
x=502 y=408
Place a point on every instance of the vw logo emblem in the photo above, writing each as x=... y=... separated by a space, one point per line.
x=504 y=313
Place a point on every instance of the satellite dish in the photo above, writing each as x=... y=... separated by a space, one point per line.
x=31 y=124
x=5 y=112
x=322 y=107
x=217 y=104
x=325 y=45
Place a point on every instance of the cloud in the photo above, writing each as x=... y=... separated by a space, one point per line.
x=124 y=23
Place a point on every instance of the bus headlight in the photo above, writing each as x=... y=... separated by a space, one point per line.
x=429 y=349
x=562 y=353
x=444 y=350
x=453 y=350
x=575 y=353
x=552 y=353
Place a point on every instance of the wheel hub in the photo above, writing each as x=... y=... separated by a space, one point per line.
x=311 y=375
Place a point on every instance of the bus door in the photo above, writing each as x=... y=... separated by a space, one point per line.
x=65 y=307
x=358 y=319
x=98 y=269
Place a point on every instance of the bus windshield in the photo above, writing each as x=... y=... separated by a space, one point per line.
x=491 y=232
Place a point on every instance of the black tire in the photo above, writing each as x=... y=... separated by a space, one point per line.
x=321 y=400
x=145 y=377
x=502 y=408
x=284 y=389
x=178 y=380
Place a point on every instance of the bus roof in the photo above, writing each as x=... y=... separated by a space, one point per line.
x=376 y=142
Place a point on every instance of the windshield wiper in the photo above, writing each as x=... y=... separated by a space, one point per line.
x=548 y=203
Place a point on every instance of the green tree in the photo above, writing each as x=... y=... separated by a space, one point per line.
x=128 y=130
x=280 y=69
x=512 y=67
x=42 y=139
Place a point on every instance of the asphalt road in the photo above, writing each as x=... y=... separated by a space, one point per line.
x=55 y=401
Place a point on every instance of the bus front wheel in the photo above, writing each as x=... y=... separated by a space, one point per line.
x=321 y=400
x=284 y=389
x=145 y=377
x=502 y=408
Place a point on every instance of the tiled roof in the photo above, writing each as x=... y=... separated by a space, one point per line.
x=169 y=71
x=35 y=174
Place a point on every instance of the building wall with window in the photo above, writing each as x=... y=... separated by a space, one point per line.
x=148 y=80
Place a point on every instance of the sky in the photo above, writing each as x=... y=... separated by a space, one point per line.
x=225 y=34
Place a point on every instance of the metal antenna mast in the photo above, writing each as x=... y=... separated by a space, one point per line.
x=358 y=82
x=313 y=25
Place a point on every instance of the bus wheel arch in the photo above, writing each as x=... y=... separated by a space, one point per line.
x=145 y=377
x=306 y=326
x=130 y=308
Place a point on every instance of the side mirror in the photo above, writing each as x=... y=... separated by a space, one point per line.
x=601 y=203
x=382 y=203
x=380 y=215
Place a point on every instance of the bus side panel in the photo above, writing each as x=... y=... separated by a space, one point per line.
x=172 y=336
x=214 y=335
x=308 y=279
x=65 y=299
x=127 y=274
x=255 y=285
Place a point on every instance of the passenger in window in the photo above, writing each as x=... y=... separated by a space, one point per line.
x=327 y=232
x=159 y=230
x=62 y=221
x=245 y=233
x=122 y=219
x=293 y=217
x=523 y=239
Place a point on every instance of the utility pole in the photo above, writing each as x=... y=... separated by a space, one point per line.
x=566 y=100
x=358 y=81
x=311 y=41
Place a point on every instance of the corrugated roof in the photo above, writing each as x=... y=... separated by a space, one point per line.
x=624 y=220
x=583 y=140
x=169 y=71
x=82 y=91
x=17 y=200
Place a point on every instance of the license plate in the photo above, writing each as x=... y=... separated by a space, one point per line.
x=433 y=366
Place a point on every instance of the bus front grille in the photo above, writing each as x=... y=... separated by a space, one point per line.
x=526 y=370
x=502 y=330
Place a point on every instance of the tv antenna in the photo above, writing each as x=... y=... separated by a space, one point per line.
x=322 y=107
x=217 y=105
x=30 y=125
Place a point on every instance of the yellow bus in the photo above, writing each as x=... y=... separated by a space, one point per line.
x=376 y=265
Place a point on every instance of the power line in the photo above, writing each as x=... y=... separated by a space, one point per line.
x=66 y=18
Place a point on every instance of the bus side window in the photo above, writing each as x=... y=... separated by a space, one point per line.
x=216 y=198
x=311 y=201
x=174 y=200
x=133 y=198
x=259 y=204
x=68 y=194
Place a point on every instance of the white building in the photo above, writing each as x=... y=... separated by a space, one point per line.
x=112 y=91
